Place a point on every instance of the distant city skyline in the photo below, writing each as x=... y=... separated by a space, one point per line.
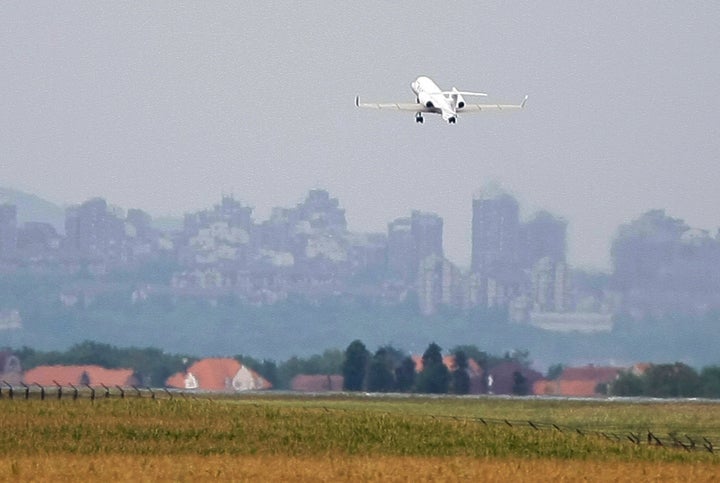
x=165 y=106
x=463 y=260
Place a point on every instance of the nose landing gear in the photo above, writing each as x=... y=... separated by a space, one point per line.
x=419 y=118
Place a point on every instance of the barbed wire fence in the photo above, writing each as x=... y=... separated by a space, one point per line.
x=682 y=439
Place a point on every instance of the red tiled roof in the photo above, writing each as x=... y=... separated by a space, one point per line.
x=96 y=375
x=216 y=374
x=577 y=381
x=317 y=383
x=570 y=388
x=590 y=373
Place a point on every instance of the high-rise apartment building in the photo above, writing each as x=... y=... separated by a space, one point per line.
x=92 y=229
x=495 y=231
x=544 y=235
x=427 y=235
x=400 y=249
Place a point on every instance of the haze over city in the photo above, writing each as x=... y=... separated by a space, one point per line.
x=166 y=106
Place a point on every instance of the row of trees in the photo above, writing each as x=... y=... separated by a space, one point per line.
x=388 y=370
x=669 y=380
x=151 y=365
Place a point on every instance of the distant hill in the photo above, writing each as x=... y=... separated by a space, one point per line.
x=34 y=208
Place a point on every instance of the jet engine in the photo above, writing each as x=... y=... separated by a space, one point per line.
x=457 y=99
x=425 y=100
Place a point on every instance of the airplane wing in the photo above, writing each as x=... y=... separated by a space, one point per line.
x=395 y=106
x=493 y=107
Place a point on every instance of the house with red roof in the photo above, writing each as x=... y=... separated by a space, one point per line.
x=511 y=377
x=317 y=382
x=90 y=375
x=219 y=374
x=584 y=381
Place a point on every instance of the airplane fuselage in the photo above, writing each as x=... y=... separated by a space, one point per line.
x=429 y=94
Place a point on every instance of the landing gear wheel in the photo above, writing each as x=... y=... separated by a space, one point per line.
x=419 y=118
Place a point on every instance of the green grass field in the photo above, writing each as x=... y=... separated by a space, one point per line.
x=342 y=437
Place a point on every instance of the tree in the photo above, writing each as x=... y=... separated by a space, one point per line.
x=627 y=384
x=520 y=384
x=354 y=366
x=405 y=375
x=380 y=377
x=472 y=352
x=671 y=380
x=435 y=377
x=555 y=371
x=710 y=381
x=432 y=355
x=460 y=376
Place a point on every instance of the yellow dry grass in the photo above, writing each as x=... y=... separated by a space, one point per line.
x=307 y=439
x=342 y=468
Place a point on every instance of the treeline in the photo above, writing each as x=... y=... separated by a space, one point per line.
x=668 y=381
x=388 y=369
x=151 y=366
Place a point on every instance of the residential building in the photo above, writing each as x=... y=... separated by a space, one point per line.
x=495 y=232
x=220 y=375
x=549 y=286
x=439 y=282
x=427 y=234
x=317 y=382
x=544 y=235
x=400 y=249
x=80 y=375
x=588 y=381
x=38 y=241
x=94 y=230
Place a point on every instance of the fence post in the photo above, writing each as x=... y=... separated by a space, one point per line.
x=75 y=391
x=168 y=392
x=708 y=445
x=152 y=393
x=107 y=390
x=122 y=392
x=139 y=393
x=27 y=389
x=92 y=391
x=59 y=389
x=10 y=392
x=42 y=391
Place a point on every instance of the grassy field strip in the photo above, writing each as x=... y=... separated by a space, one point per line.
x=310 y=439
x=672 y=424
x=344 y=468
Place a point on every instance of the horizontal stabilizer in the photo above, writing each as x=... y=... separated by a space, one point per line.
x=464 y=93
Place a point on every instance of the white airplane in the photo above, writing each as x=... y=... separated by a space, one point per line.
x=431 y=99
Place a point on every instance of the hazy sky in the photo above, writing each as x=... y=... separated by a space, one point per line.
x=165 y=106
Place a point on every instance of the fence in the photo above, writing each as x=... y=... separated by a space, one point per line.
x=674 y=439
x=82 y=391
x=678 y=439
